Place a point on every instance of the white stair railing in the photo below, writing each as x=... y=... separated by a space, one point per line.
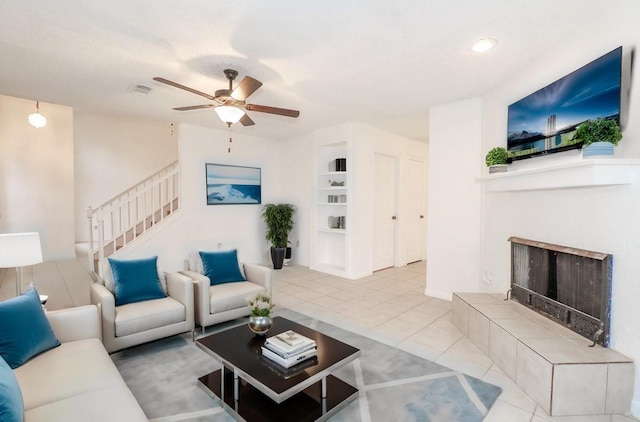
x=127 y=216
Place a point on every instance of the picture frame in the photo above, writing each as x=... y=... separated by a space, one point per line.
x=233 y=185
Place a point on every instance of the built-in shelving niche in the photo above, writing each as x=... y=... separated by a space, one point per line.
x=332 y=206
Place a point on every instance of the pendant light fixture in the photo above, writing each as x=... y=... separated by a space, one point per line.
x=36 y=119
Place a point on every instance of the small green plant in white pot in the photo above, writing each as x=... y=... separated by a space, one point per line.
x=598 y=137
x=497 y=159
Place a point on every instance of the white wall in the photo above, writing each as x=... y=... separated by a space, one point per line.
x=454 y=206
x=295 y=166
x=198 y=226
x=603 y=219
x=36 y=174
x=113 y=153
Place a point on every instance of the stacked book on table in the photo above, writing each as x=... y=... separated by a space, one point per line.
x=289 y=348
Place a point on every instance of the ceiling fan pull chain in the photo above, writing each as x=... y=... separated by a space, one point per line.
x=230 y=141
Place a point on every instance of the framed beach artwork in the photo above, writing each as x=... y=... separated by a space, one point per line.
x=227 y=185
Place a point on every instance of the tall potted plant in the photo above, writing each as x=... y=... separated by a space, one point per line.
x=598 y=137
x=279 y=221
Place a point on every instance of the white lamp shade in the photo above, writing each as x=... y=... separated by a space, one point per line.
x=37 y=120
x=229 y=114
x=20 y=249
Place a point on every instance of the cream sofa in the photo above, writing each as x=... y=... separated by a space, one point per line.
x=224 y=302
x=76 y=381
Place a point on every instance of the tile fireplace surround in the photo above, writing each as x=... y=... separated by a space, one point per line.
x=551 y=363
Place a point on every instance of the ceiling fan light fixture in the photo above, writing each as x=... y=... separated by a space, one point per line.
x=36 y=119
x=229 y=114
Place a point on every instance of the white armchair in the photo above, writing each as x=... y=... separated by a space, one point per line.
x=223 y=302
x=147 y=320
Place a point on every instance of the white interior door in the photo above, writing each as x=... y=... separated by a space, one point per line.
x=384 y=216
x=415 y=218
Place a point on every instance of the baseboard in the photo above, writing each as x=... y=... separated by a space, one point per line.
x=444 y=295
x=635 y=408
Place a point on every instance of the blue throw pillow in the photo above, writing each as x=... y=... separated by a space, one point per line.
x=24 y=329
x=11 y=404
x=221 y=266
x=135 y=280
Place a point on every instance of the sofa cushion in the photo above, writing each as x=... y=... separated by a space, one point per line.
x=24 y=329
x=135 y=280
x=142 y=316
x=71 y=369
x=115 y=403
x=11 y=405
x=221 y=266
x=225 y=297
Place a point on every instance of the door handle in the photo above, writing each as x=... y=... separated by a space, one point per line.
x=393 y=217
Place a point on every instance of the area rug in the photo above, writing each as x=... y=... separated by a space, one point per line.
x=394 y=385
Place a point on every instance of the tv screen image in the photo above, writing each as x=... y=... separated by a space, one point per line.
x=545 y=121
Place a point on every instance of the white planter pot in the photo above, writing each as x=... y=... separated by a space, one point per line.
x=598 y=149
x=498 y=168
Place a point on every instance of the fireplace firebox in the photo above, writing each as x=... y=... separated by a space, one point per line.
x=569 y=285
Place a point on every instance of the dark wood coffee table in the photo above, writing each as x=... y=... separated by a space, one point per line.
x=253 y=388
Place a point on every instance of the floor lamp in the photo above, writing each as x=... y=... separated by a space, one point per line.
x=18 y=250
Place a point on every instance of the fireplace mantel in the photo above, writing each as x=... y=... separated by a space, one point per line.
x=580 y=174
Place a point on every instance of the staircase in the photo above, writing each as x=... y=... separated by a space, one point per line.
x=128 y=216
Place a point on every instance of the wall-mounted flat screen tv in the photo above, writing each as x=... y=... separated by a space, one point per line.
x=545 y=121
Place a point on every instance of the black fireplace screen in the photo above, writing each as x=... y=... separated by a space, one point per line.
x=571 y=286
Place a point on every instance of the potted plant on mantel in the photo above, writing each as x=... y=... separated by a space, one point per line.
x=279 y=221
x=497 y=159
x=598 y=137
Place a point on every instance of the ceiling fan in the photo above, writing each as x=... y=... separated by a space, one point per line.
x=230 y=103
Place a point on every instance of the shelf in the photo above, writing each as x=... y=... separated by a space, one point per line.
x=322 y=204
x=332 y=231
x=334 y=188
x=580 y=174
x=333 y=173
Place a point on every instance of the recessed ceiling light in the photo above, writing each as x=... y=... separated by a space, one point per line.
x=483 y=45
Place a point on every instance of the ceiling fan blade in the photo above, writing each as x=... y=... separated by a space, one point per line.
x=196 y=107
x=246 y=120
x=186 y=88
x=246 y=87
x=273 y=110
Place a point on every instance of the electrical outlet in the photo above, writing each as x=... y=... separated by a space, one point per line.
x=297 y=243
x=219 y=246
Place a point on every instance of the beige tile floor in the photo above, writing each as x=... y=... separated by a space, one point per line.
x=389 y=306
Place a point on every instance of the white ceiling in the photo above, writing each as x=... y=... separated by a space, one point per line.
x=380 y=62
